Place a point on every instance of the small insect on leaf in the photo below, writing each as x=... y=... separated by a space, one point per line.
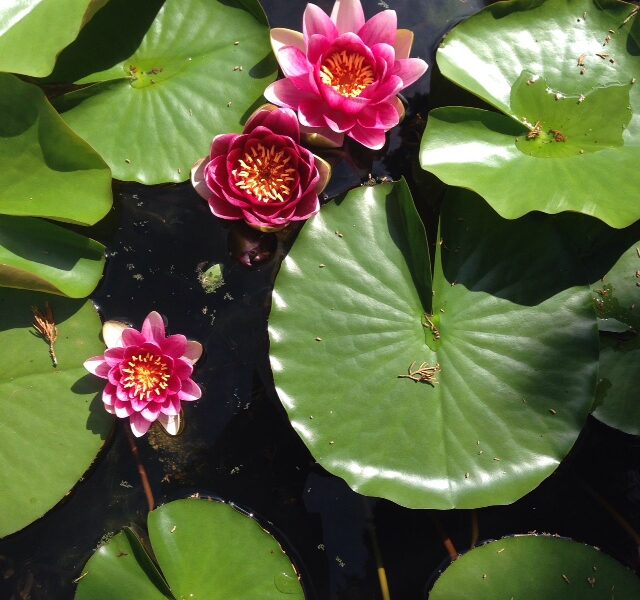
x=581 y=60
x=535 y=132
x=558 y=136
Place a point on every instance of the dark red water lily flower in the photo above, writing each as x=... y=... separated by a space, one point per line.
x=262 y=175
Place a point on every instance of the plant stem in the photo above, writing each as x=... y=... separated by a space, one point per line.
x=475 y=530
x=142 y=472
x=446 y=540
x=382 y=573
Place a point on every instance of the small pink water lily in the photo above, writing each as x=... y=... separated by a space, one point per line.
x=148 y=374
x=342 y=74
x=262 y=175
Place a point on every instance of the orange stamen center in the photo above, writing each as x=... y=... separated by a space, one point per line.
x=264 y=172
x=147 y=374
x=347 y=72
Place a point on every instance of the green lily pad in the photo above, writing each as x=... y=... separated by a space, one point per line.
x=572 y=89
x=33 y=32
x=617 y=397
x=38 y=255
x=531 y=567
x=47 y=170
x=617 y=294
x=53 y=422
x=198 y=72
x=204 y=549
x=515 y=340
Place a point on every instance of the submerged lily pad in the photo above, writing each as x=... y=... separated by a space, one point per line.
x=33 y=32
x=503 y=350
x=53 y=422
x=617 y=299
x=531 y=567
x=570 y=134
x=198 y=72
x=204 y=549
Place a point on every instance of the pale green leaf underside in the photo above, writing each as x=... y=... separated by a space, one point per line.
x=516 y=344
x=53 y=421
x=198 y=72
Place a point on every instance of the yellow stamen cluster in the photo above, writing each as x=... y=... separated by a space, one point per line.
x=263 y=173
x=347 y=72
x=147 y=374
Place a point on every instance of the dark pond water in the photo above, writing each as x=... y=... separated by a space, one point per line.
x=238 y=444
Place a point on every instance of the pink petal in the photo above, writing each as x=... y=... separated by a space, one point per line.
x=137 y=404
x=283 y=121
x=112 y=333
x=193 y=352
x=197 y=179
x=175 y=385
x=311 y=112
x=338 y=121
x=308 y=206
x=151 y=412
x=404 y=41
x=255 y=120
x=171 y=406
x=97 y=366
x=174 y=345
x=222 y=142
x=122 y=409
x=221 y=208
x=316 y=21
x=386 y=89
x=371 y=138
x=182 y=369
x=316 y=47
x=293 y=62
x=190 y=391
x=153 y=328
x=132 y=337
x=114 y=356
x=139 y=425
x=286 y=37
x=348 y=15
x=108 y=394
x=379 y=116
x=284 y=93
x=380 y=28
x=322 y=137
x=409 y=70
x=170 y=423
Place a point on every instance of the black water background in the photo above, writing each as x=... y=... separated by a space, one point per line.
x=238 y=443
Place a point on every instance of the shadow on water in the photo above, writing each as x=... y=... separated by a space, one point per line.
x=237 y=443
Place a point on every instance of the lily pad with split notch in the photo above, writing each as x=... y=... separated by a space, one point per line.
x=515 y=341
x=202 y=549
x=199 y=71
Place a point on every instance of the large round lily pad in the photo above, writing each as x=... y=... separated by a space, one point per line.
x=53 y=423
x=532 y=567
x=32 y=32
x=563 y=72
x=197 y=73
x=514 y=339
x=204 y=549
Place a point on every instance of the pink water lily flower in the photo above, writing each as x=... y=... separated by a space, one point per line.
x=342 y=74
x=262 y=175
x=148 y=374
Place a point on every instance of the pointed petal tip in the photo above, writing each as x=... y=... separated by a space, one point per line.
x=197 y=178
x=112 y=333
